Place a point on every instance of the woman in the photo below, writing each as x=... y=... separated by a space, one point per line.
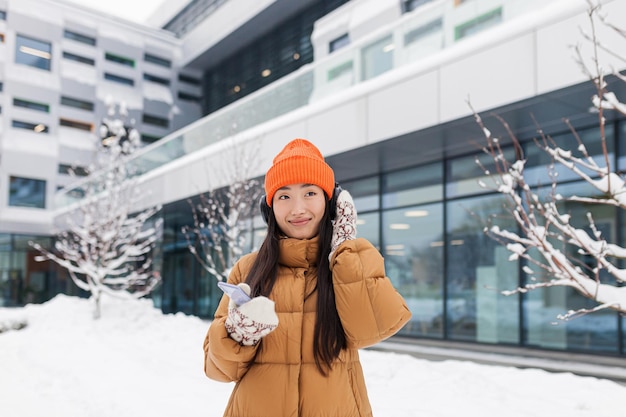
x=318 y=295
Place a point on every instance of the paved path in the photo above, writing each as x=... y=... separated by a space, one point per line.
x=608 y=367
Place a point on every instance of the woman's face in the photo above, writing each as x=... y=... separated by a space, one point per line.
x=298 y=209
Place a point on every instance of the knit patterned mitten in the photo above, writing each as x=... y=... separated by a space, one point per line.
x=344 y=225
x=251 y=321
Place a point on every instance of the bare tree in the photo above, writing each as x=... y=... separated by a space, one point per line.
x=547 y=238
x=105 y=245
x=222 y=215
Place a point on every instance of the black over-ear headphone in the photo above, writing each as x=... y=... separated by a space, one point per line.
x=266 y=210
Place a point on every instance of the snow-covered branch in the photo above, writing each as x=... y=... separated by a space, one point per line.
x=547 y=238
x=221 y=216
x=105 y=245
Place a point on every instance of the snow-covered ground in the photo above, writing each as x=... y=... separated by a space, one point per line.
x=136 y=361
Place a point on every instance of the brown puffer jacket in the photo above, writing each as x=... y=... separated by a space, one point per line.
x=283 y=380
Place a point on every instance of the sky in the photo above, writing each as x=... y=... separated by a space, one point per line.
x=134 y=10
x=137 y=361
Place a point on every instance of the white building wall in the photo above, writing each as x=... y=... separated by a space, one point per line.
x=511 y=62
x=37 y=155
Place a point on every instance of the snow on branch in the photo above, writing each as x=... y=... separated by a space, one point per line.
x=106 y=246
x=546 y=238
x=221 y=216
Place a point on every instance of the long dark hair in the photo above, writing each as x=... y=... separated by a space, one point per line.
x=329 y=337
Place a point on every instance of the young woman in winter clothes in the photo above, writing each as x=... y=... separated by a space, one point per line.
x=318 y=295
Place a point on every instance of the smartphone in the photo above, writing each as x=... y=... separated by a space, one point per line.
x=235 y=292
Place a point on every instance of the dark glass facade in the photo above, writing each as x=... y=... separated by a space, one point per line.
x=427 y=221
x=284 y=49
x=23 y=279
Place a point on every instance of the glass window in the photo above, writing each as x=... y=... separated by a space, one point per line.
x=414 y=261
x=18 y=102
x=156 y=120
x=339 y=70
x=591 y=332
x=73 y=170
x=465 y=175
x=35 y=127
x=149 y=138
x=78 y=58
x=364 y=192
x=413 y=186
x=538 y=161
x=118 y=79
x=410 y=5
x=478 y=269
x=27 y=192
x=622 y=146
x=157 y=60
x=377 y=58
x=119 y=59
x=68 y=34
x=76 y=124
x=478 y=24
x=77 y=103
x=33 y=52
x=427 y=29
x=340 y=42
x=188 y=97
x=188 y=79
x=155 y=79
x=3 y=15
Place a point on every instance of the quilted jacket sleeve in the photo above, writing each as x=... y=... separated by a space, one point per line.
x=226 y=360
x=370 y=308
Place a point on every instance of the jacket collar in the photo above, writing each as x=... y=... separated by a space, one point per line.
x=298 y=252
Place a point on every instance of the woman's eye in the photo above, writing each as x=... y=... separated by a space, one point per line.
x=310 y=194
x=283 y=197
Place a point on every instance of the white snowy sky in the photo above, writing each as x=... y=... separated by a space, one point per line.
x=136 y=361
x=134 y=10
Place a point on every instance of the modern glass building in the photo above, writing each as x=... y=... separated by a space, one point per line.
x=382 y=88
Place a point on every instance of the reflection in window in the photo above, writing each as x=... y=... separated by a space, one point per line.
x=478 y=269
x=33 y=52
x=364 y=192
x=538 y=161
x=465 y=174
x=35 y=127
x=413 y=186
x=27 y=192
x=542 y=306
x=377 y=58
x=414 y=261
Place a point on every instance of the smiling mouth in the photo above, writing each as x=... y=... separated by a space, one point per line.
x=299 y=222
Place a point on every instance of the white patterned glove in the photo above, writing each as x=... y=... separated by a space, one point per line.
x=344 y=225
x=251 y=321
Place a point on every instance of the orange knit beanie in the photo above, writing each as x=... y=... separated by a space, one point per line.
x=299 y=162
